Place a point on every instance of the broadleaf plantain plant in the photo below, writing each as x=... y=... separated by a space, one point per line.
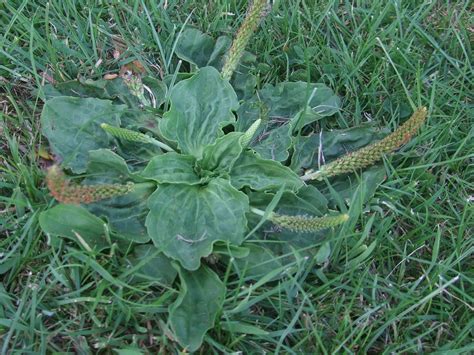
x=212 y=162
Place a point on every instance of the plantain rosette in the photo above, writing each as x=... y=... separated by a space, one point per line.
x=208 y=177
x=184 y=201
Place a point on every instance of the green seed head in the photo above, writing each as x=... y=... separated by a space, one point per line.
x=371 y=154
x=126 y=134
x=133 y=136
x=248 y=135
x=305 y=224
x=257 y=10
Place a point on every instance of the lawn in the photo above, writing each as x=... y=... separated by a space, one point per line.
x=398 y=278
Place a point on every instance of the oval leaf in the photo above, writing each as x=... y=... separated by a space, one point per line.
x=259 y=262
x=172 y=168
x=222 y=155
x=106 y=167
x=200 y=106
x=195 y=47
x=184 y=221
x=274 y=144
x=76 y=223
x=72 y=126
x=308 y=201
x=262 y=174
x=200 y=299
x=125 y=214
x=285 y=100
x=151 y=266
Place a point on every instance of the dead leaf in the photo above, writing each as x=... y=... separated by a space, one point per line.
x=110 y=76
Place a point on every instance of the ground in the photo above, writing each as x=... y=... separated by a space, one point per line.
x=400 y=282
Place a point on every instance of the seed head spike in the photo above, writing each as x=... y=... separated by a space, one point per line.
x=256 y=11
x=64 y=192
x=306 y=224
x=371 y=154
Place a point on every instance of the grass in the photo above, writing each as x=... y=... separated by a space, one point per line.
x=399 y=281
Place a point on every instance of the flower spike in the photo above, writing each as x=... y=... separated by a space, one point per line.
x=371 y=154
x=133 y=136
x=303 y=224
x=249 y=133
x=62 y=191
x=257 y=10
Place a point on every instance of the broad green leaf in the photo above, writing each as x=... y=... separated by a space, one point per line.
x=195 y=47
x=200 y=106
x=288 y=107
x=251 y=110
x=230 y=250
x=222 y=155
x=200 y=299
x=332 y=143
x=152 y=265
x=137 y=154
x=221 y=47
x=128 y=351
x=326 y=105
x=125 y=214
x=262 y=174
x=259 y=262
x=157 y=88
x=322 y=256
x=115 y=89
x=101 y=89
x=285 y=100
x=275 y=144
x=243 y=81
x=76 y=223
x=72 y=126
x=185 y=220
x=9 y=263
x=393 y=104
x=201 y=50
x=104 y=166
x=308 y=200
x=172 y=168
